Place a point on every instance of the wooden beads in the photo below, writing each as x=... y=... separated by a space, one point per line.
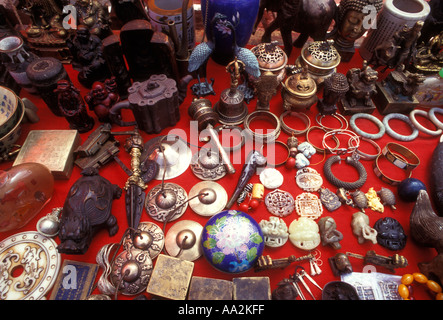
x=408 y=279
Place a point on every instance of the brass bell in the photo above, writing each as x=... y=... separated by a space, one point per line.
x=231 y=107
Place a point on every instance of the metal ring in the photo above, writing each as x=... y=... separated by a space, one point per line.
x=434 y=119
x=324 y=130
x=362 y=174
x=372 y=118
x=400 y=156
x=265 y=115
x=290 y=131
x=382 y=176
x=366 y=156
x=394 y=134
x=339 y=117
x=419 y=126
x=334 y=133
x=277 y=164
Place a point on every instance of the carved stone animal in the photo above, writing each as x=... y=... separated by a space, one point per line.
x=307 y=17
x=86 y=210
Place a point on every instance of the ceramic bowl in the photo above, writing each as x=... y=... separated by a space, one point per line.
x=8 y=110
x=232 y=241
x=8 y=140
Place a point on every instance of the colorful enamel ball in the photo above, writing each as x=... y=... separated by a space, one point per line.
x=232 y=241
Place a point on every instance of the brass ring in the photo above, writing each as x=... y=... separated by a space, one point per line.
x=324 y=130
x=277 y=164
x=290 y=131
x=265 y=115
x=382 y=176
x=400 y=156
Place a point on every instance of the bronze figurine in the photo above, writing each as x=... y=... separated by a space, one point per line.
x=361 y=90
x=335 y=87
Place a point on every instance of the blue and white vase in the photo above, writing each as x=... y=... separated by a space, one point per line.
x=228 y=23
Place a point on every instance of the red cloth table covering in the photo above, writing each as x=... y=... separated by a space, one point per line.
x=423 y=146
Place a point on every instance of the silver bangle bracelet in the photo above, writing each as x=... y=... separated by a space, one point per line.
x=373 y=136
x=290 y=131
x=263 y=115
x=419 y=126
x=396 y=135
x=434 y=119
x=343 y=122
x=363 y=155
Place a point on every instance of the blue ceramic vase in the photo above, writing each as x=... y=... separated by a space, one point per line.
x=232 y=241
x=228 y=23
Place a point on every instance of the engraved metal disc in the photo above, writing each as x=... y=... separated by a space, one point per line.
x=168 y=204
x=173 y=160
x=131 y=271
x=35 y=262
x=280 y=203
x=183 y=240
x=308 y=179
x=149 y=236
x=212 y=200
x=208 y=165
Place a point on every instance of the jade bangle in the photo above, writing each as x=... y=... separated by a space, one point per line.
x=419 y=126
x=373 y=136
x=434 y=119
x=394 y=134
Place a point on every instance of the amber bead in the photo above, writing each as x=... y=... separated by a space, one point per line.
x=420 y=277
x=439 y=296
x=403 y=291
x=407 y=279
x=433 y=286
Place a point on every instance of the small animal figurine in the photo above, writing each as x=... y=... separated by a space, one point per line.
x=86 y=210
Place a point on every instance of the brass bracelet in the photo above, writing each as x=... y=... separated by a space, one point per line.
x=276 y=164
x=400 y=156
x=383 y=177
x=264 y=115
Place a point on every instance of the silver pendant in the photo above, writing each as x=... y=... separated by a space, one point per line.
x=166 y=204
x=308 y=179
x=280 y=203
